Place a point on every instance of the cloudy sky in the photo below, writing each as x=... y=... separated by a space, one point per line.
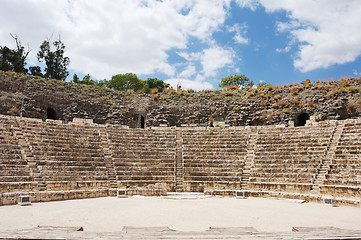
x=194 y=43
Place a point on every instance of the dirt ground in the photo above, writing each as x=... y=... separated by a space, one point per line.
x=111 y=214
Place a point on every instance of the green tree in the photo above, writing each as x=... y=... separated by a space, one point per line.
x=125 y=82
x=75 y=78
x=155 y=83
x=56 y=62
x=238 y=80
x=14 y=60
x=5 y=59
x=87 y=80
x=35 y=71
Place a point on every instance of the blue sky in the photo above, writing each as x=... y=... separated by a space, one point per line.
x=194 y=43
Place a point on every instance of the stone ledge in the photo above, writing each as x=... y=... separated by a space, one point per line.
x=47 y=196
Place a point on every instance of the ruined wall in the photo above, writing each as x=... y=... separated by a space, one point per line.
x=265 y=105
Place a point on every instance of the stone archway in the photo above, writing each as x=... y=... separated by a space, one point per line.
x=142 y=121
x=301 y=119
x=50 y=113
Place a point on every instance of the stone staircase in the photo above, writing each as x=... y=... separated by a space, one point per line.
x=109 y=162
x=179 y=165
x=249 y=159
x=327 y=161
x=27 y=152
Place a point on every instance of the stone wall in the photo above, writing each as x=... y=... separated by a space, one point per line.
x=55 y=161
x=267 y=105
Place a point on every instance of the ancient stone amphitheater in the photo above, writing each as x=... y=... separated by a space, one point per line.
x=50 y=160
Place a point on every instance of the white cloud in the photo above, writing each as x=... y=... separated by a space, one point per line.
x=356 y=73
x=211 y=59
x=328 y=31
x=252 y=4
x=189 y=71
x=215 y=58
x=240 y=32
x=189 y=84
x=286 y=49
x=107 y=37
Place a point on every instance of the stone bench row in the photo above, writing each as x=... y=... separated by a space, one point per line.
x=15 y=172
x=6 y=157
x=26 y=178
x=223 y=175
x=143 y=151
x=17 y=186
x=284 y=169
x=341 y=191
x=74 y=185
x=79 y=159
x=213 y=164
x=280 y=180
x=345 y=165
x=12 y=165
x=71 y=142
x=217 y=156
x=278 y=186
x=81 y=153
x=144 y=143
x=75 y=177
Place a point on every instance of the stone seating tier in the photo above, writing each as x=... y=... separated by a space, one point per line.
x=53 y=156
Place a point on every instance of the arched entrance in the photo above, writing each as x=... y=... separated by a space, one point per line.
x=51 y=114
x=142 y=121
x=301 y=119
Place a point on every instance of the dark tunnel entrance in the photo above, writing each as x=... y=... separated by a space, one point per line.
x=142 y=121
x=51 y=114
x=301 y=119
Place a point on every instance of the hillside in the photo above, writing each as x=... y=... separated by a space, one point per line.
x=265 y=105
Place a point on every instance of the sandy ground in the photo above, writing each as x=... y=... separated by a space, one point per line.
x=111 y=214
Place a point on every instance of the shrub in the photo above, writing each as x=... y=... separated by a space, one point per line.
x=14 y=110
x=281 y=103
x=350 y=105
x=311 y=103
x=353 y=89
x=341 y=90
x=277 y=97
x=295 y=101
x=331 y=93
x=287 y=110
x=154 y=90
x=358 y=106
x=232 y=87
x=250 y=94
x=296 y=89
x=306 y=83
x=263 y=103
x=343 y=82
x=270 y=87
x=155 y=96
